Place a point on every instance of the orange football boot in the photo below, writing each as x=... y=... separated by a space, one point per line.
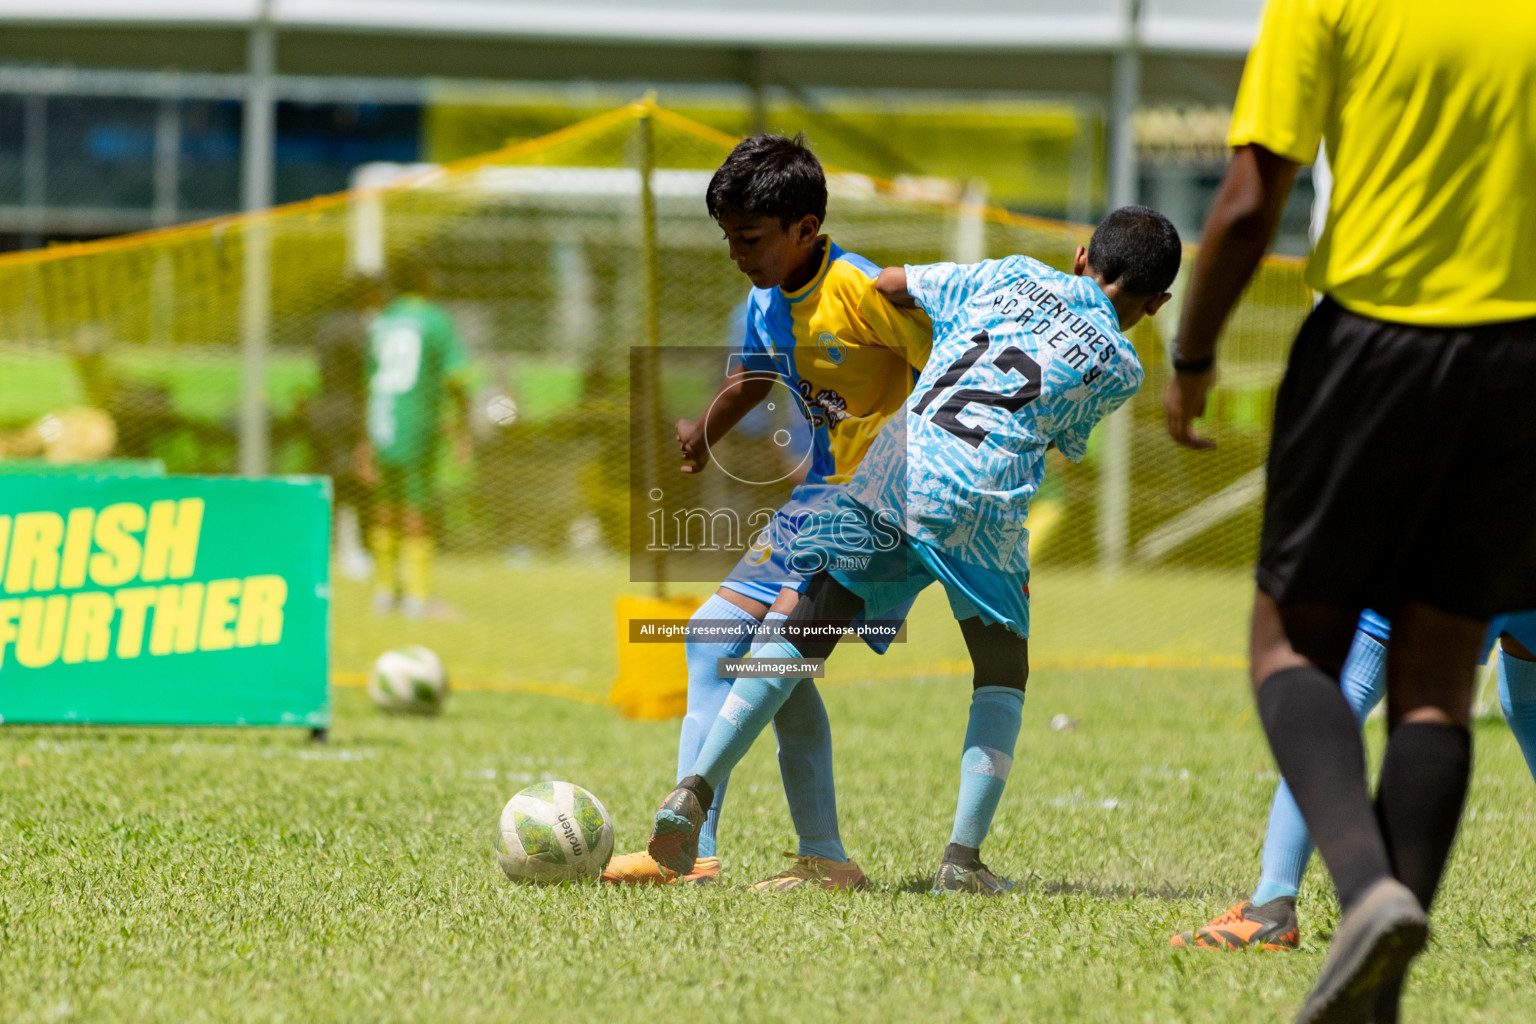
x=1245 y=926
x=641 y=869
x=826 y=874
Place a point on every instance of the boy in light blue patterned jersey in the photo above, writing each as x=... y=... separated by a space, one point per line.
x=1024 y=358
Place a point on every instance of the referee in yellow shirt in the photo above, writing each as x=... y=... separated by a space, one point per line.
x=1402 y=471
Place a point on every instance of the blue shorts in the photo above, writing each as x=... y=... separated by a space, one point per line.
x=1375 y=625
x=765 y=568
x=1520 y=625
x=874 y=559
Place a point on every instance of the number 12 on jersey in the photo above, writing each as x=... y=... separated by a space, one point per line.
x=1009 y=360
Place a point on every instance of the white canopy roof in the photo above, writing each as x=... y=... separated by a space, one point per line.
x=1033 y=45
x=1212 y=26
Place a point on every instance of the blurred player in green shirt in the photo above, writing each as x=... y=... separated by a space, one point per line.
x=415 y=360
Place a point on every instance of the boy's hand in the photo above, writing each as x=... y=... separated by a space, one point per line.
x=693 y=444
x=1183 y=403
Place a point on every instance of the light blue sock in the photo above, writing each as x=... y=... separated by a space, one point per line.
x=1517 y=696
x=996 y=713
x=1287 y=844
x=1364 y=678
x=706 y=693
x=747 y=711
x=805 y=763
x=1287 y=848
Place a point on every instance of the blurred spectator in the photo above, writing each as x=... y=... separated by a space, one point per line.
x=415 y=360
x=334 y=418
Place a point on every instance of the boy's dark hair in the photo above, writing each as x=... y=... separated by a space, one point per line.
x=769 y=176
x=1137 y=248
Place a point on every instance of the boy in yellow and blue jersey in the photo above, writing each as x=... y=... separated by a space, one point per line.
x=815 y=322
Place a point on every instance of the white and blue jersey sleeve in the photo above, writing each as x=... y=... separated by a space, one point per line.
x=941 y=289
x=1023 y=356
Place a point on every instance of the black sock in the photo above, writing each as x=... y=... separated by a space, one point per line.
x=965 y=856
x=1418 y=803
x=696 y=785
x=825 y=600
x=1317 y=746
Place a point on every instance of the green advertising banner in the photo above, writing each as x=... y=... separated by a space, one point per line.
x=104 y=467
x=172 y=600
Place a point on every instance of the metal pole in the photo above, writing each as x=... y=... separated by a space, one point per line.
x=971 y=223
x=167 y=160
x=34 y=166
x=1125 y=97
x=649 y=385
x=758 y=73
x=1114 y=495
x=1080 y=178
x=256 y=146
x=167 y=199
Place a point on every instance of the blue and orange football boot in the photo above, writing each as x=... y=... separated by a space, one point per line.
x=1245 y=926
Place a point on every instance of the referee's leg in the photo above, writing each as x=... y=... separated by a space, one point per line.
x=1386 y=859
x=1296 y=655
x=1431 y=668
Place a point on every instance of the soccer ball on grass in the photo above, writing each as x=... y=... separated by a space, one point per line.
x=554 y=832
x=409 y=680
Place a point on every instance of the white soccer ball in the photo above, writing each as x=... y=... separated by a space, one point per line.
x=409 y=680
x=554 y=832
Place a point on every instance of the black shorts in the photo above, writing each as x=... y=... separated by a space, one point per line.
x=1403 y=467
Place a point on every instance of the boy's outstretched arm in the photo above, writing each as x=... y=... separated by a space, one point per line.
x=1237 y=231
x=739 y=393
x=894 y=320
x=892 y=283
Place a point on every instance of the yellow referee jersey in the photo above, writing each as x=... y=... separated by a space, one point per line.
x=1429 y=112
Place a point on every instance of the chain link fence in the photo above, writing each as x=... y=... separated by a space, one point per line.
x=240 y=344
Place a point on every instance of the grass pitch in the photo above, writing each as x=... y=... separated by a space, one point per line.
x=221 y=875
x=552 y=623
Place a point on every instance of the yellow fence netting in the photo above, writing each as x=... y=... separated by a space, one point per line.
x=1141 y=554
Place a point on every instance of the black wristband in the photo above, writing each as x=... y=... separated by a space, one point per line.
x=1192 y=366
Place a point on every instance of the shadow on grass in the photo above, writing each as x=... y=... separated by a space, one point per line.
x=1100 y=890
x=1034 y=885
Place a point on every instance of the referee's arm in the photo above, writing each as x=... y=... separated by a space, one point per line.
x=1238 y=230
